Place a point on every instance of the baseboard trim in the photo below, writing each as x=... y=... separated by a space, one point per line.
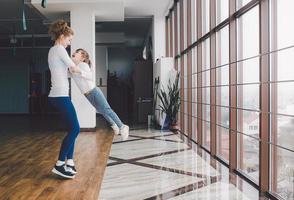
x=88 y=129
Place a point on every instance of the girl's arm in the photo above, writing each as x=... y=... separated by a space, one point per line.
x=85 y=71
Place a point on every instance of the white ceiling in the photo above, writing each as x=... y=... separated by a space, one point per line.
x=112 y=9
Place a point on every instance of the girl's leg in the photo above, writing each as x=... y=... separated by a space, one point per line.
x=98 y=100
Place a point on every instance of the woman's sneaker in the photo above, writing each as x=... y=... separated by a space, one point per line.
x=124 y=131
x=62 y=171
x=71 y=169
x=115 y=129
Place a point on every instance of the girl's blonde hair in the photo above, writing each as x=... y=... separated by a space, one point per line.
x=59 y=28
x=85 y=55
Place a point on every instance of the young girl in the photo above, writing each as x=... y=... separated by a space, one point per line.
x=84 y=80
x=59 y=63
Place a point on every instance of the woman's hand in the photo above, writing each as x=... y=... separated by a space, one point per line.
x=75 y=60
x=75 y=70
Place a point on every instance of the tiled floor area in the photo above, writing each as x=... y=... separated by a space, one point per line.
x=161 y=165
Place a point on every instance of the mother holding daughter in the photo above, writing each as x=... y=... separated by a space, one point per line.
x=59 y=64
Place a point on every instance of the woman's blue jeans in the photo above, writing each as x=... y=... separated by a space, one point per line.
x=67 y=110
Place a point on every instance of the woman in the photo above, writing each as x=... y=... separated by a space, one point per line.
x=59 y=63
x=83 y=77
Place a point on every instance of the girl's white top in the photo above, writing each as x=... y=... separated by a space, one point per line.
x=84 y=81
x=59 y=62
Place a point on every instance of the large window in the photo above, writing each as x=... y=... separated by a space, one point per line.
x=233 y=59
x=222 y=93
x=282 y=98
x=248 y=93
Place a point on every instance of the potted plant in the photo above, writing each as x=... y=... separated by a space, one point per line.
x=170 y=103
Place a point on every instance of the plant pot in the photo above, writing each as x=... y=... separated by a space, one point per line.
x=174 y=127
x=166 y=123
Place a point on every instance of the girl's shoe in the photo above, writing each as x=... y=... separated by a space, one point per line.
x=124 y=131
x=115 y=129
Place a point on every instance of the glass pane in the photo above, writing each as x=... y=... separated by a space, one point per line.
x=222 y=116
x=248 y=123
x=241 y=3
x=248 y=34
x=282 y=165
x=283 y=98
x=222 y=10
x=248 y=160
x=285 y=62
x=222 y=142
x=222 y=75
x=194 y=114
x=222 y=96
x=186 y=93
x=179 y=29
x=248 y=96
x=206 y=95
x=205 y=16
x=194 y=21
x=173 y=36
x=185 y=24
x=248 y=156
x=282 y=131
x=205 y=78
x=281 y=16
x=194 y=94
x=206 y=54
x=248 y=71
x=206 y=112
x=222 y=46
x=206 y=134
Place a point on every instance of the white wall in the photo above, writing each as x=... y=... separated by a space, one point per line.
x=83 y=24
x=158 y=35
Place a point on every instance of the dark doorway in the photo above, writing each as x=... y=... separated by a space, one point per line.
x=129 y=67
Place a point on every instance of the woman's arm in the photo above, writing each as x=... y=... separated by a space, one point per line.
x=65 y=58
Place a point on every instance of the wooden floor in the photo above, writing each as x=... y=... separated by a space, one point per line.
x=27 y=157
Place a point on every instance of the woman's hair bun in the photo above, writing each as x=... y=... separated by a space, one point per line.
x=59 y=28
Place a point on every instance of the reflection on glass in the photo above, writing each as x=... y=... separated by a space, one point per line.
x=222 y=142
x=248 y=156
x=248 y=34
x=206 y=134
x=248 y=96
x=222 y=46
